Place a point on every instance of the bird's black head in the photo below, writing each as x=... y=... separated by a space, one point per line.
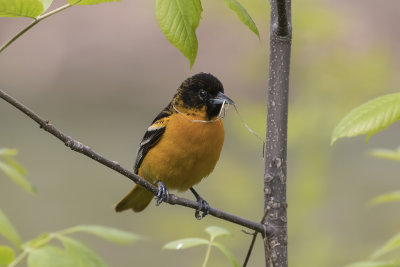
x=202 y=91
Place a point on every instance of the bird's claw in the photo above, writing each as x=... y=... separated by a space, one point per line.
x=162 y=193
x=204 y=207
x=202 y=210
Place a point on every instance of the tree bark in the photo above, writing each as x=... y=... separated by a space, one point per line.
x=276 y=139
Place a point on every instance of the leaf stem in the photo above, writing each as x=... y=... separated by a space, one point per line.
x=66 y=231
x=18 y=259
x=36 y=21
x=208 y=252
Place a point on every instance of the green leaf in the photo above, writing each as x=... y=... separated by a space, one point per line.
x=392 y=244
x=216 y=231
x=38 y=242
x=178 y=20
x=14 y=170
x=89 y=2
x=21 y=8
x=386 y=154
x=8 y=230
x=185 y=243
x=385 y=198
x=108 y=233
x=244 y=17
x=13 y=163
x=8 y=152
x=7 y=255
x=227 y=254
x=50 y=256
x=17 y=175
x=374 y=264
x=369 y=118
x=81 y=254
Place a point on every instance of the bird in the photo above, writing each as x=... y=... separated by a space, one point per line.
x=182 y=145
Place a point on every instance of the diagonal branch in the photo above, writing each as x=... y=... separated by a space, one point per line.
x=87 y=151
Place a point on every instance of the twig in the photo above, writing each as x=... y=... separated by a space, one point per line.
x=253 y=240
x=87 y=151
x=36 y=21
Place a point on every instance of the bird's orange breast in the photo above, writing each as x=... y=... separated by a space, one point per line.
x=186 y=153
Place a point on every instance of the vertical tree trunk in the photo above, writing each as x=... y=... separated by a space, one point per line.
x=276 y=140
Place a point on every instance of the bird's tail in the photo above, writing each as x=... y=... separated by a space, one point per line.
x=137 y=200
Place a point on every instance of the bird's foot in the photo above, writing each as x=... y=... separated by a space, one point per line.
x=203 y=210
x=162 y=193
x=204 y=207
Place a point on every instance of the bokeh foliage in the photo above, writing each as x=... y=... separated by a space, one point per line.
x=331 y=73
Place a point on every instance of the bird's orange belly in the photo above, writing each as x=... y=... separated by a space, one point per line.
x=186 y=153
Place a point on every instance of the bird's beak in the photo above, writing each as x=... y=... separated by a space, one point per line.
x=221 y=98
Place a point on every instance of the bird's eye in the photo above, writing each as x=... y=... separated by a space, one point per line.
x=202 y=94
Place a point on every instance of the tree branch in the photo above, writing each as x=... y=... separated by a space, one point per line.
x=276 y=137
x=87 y=151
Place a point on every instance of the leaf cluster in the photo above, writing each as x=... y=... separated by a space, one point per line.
x=40 y=252
x=370 y=118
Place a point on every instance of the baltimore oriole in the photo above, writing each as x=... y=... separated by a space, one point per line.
x=182 y=144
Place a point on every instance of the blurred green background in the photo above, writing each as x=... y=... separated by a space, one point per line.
x=101 y=73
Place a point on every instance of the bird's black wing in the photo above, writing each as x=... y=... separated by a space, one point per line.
x=152 y=135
